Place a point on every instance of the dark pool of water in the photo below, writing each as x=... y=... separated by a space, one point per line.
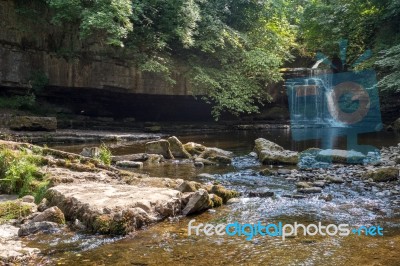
x=168 y=243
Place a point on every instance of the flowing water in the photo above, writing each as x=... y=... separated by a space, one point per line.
x=168 y=243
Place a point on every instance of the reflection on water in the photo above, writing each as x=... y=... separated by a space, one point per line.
x=167 y=243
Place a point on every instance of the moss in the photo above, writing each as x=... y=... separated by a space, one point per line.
x=13 y=210
x=224 y=193
x=384 y=174
x=217 y=201
x=102 y=224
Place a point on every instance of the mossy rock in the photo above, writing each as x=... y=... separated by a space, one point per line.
x=216 y=200
x=224 y=193
x=194 y=148
x=102 y=224
x=384 y=174
x=267 y=172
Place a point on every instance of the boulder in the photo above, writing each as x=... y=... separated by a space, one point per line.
x=384 y=174
x=340 y=156
x=216 y=155
x=271 y=153
x=187 y=186
x=53 y=214
x=199 y=201
x=194 y=148
x=177 y=148
x=33 y=123
x=113 y=208
x=129 y=164
x=216 y=200
x=36 y=227
x=160 y=147
x=43 y=205
x=224 y=193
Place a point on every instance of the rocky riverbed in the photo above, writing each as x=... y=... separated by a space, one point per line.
x=85 y=195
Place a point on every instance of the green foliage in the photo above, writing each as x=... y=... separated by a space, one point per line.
x=230 y=49
x=390 y=64
x=19 y=172
x=18 y=102
x=104 y=154
x=13 y=210
x=107 y=20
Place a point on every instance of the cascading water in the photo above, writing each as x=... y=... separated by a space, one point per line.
x=309 y=99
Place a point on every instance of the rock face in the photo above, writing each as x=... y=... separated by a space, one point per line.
x=384 y=174
x=160 y=147
x=340 y=156
x=271 y=153
x=119 y=210
x=53 y=214
x=33 y=123
x=199 y=201
x=177 y=148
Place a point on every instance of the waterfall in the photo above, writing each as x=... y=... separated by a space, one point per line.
x=309 y=99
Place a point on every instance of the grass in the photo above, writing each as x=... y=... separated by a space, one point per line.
x=13 y=210
x=104 y=154
x=20 y=173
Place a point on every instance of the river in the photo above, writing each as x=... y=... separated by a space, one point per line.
x=168 y=243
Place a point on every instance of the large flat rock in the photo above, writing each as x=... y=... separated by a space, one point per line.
x=110 y=208
x=269 y=152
